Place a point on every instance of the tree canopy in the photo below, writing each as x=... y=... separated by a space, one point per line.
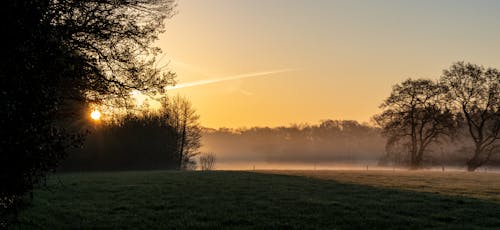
x=464 y=103
x=474 y=92
x=414 y=115
x=58 y=56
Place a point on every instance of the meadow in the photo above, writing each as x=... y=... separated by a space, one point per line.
x=266 y=200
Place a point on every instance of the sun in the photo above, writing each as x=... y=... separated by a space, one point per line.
x=95 y=115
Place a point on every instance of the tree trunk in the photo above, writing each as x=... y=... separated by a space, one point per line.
x=474 y=162
x=182 y=144
x=414 y=157
x=419 y=158
x=472 y=167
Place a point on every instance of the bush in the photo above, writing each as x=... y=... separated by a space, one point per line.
x=207 y=161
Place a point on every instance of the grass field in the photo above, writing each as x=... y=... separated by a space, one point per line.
x=266 y=200
x=484 y=186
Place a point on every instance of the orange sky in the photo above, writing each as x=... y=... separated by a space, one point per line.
x=333 y=59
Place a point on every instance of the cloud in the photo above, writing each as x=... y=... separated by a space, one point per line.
x=229 y=78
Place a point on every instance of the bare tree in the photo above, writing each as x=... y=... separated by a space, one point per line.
x=207 y=161
x=475 y=93
x=185 y=121
x=414 y=114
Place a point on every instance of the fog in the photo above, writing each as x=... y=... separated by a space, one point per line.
x=331 y=144
x=367 y=166
x=328 y=144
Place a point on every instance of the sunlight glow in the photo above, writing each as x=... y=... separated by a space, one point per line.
x=95 y=115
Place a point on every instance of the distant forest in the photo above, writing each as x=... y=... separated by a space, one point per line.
x=330 y=141
x=152 y=142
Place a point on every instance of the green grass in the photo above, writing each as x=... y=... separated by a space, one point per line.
x=484 y=186
x=248 y=200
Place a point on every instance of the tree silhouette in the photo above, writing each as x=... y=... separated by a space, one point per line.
x=182 y=117
x=135 y=142
x=414 y=114
x=57 y=56
x=475 y=93
x=207 y=161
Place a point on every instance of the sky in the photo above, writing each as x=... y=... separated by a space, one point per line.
x=280 y=62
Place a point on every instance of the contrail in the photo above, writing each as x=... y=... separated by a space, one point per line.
x=235 y=77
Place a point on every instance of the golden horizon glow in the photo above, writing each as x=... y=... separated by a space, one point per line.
x=95 y=115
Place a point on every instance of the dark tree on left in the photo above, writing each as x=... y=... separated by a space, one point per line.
x=56 y=57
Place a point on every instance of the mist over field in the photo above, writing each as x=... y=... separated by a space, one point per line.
x=327 y=145
x=330 y=144
x=296 y=146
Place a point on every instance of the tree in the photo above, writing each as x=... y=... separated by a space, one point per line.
x=475 y=93
x=58 y=56
x=414 y=114
x=135 y=142
x=207 y=161
x=183 y=118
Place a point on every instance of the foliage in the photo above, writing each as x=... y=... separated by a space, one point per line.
x=474 y=92
x=57 y=56
x=414 y=117
x=182 y=117
x=144 y=142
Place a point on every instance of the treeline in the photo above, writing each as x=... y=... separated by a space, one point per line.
x=329 y=141
x=167 y=139
x=459 y=113
x=332 y=142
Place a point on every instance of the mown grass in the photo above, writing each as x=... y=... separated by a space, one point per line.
x=476 y=185
x=247 y=200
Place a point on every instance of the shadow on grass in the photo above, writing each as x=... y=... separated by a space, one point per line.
x=246 y=200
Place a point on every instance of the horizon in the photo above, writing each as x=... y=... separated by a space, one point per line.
x=369 y=124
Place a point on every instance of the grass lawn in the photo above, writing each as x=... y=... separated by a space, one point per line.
x=266 y=200
x=484 y=186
